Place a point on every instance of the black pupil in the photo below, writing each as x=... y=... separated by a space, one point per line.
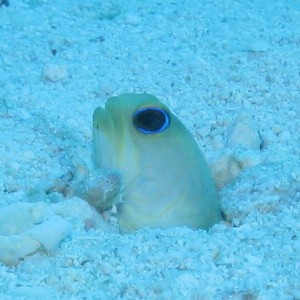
x=151 y=120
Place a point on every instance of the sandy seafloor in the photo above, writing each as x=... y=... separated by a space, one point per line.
x=228 y=69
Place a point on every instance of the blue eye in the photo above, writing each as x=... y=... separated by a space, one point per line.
x=151 y=120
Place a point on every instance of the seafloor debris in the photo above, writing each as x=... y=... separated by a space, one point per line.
x=26 y=228
x=47 y=217
x=101 y=189
x=241 y=151
x=39 y=226
x=265 y=188
x=54 y=73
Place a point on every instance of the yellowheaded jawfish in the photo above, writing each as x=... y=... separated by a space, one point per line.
x=166 y=179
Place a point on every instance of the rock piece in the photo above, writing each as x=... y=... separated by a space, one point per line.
x=26 y=228
x=80 y=214
x=101 y=189
x=241 y=151
x=243 y=134
x=19 y=217
x=15 y=247
x=54 y=73
x=51 y=232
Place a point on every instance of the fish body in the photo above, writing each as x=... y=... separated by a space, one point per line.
x=166 y=179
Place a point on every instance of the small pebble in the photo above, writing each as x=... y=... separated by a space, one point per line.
x=54 y=73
